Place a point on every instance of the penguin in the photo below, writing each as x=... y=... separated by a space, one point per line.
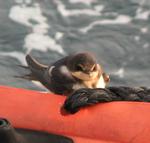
x=68 y=74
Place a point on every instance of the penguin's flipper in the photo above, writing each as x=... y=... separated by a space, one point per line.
x=38 y=71
x=33 y=64
x=27 y=77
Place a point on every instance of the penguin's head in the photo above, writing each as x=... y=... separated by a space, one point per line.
x=83 y=66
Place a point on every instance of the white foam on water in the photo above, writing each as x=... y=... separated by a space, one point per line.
x=137 y=38
x=142 y=14
x=44 y=42
x=144 y=30
x=120 y=19
x=86 y=2
x=99 y=8
x=58 y=35
x=17 y=55
x=32 y=17
x=146 y=46
x=119 y=73
x=75 y=12
x=22 y=14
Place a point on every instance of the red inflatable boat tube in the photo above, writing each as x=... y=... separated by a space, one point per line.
x=115 y=122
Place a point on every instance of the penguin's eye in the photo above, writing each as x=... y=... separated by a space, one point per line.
x=79 y=68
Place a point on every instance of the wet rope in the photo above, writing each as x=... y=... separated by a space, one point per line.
x=86 y=97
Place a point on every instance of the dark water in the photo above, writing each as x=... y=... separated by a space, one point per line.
x=117 y=31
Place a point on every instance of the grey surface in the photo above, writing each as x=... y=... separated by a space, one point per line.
x=122 y=49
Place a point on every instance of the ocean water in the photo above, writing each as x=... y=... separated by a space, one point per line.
x=116 y=31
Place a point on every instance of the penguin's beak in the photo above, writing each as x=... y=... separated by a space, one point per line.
x=85 y=76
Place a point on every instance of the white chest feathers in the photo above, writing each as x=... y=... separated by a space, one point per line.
x=101 y=83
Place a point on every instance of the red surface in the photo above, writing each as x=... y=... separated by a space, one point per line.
x=116 y=122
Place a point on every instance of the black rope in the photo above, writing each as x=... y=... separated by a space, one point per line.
x=85 y=97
